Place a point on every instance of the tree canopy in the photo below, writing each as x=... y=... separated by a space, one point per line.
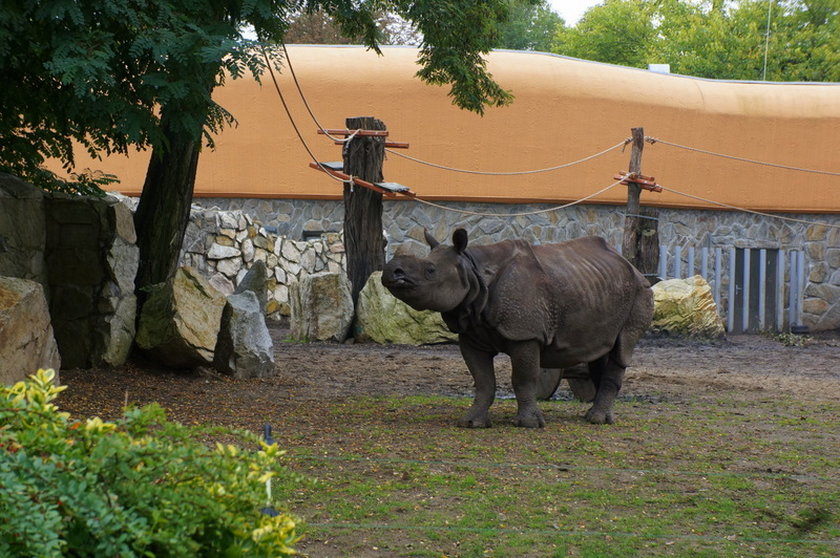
x=97 y=71
x=111 y=74
x=530 y=26
x=713 y=38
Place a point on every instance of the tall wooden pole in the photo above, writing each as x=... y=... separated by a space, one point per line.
x=363 y=240
x=640 y=244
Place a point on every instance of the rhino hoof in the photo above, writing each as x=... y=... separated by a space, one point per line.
x=475 y=423
x=594 y=416
x=530 y=421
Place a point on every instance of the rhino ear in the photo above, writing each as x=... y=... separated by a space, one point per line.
x=459 y=240
x=430 y=240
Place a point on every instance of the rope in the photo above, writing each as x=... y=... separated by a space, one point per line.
x=524 y=213
x=621 y=144
x=736 y=208
x=653 y=140
x=292 y=120
x=306 y=103
x=509 y=173
x=420 y=161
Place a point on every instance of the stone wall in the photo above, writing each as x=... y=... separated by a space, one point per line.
x=404 y=222
x=224 y=244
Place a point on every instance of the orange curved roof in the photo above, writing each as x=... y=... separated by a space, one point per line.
x=565 y=109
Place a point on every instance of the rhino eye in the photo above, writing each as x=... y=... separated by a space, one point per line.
x=430 y=272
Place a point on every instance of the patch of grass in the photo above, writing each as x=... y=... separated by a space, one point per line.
x=696 y=478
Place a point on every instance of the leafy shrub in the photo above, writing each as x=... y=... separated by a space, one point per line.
x=140 y=486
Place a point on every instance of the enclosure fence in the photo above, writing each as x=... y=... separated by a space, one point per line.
x=754 y=289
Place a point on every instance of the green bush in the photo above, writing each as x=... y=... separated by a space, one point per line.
x=140 y=486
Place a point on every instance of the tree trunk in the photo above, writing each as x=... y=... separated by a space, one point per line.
x=164 y=209
x=363 y=240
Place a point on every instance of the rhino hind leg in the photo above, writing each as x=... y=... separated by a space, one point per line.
x=607 y=375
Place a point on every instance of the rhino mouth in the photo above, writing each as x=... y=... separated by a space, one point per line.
x=400 y=282
x=394 y=276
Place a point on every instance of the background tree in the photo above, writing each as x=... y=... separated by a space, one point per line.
x=531 y=26
x=618 y=32
x=713 y=38
x=121 y=73
x=319 y=28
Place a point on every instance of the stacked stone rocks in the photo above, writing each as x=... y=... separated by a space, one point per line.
x=82 y=252
x=224 y=245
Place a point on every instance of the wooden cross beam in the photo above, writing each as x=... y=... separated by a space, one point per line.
x=378 y=133
x=388 y=189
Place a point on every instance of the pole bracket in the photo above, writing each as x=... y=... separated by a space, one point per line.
x=644 y=182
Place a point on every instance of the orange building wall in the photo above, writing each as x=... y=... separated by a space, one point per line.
x=564 y=110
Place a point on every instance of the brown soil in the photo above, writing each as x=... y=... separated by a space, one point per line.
x=308 y=374
x=305 y=398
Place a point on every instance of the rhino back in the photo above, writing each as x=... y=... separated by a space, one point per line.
x=574 y=297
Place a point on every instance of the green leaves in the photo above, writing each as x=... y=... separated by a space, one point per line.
x=712 y=39
x=140 y=486
x=100 y=73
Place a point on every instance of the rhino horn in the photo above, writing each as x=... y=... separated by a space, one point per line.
x=430 y=240
x=459 y=240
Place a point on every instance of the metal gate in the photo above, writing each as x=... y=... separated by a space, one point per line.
x=755 y=289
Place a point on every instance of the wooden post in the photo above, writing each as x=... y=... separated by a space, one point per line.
x=640 y=244
x=363 y=240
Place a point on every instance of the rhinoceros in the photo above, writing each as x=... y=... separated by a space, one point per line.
x=551 y=306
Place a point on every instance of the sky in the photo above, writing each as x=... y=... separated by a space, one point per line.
x=571 y=10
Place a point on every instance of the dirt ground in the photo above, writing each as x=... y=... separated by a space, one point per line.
x=308 y=373
x=305 y=401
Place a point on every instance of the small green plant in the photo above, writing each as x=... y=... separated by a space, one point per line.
x=139 y=486
x=789 y=339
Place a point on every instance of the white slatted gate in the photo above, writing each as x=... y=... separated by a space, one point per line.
x=760 y=284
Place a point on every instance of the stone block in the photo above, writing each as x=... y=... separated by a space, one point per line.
x=244 y=348
x=115 y=332
x=255 y=281
x=26 y=335
x=22 y=230
x=121 y=221
x=229 y=267
x=686 y=307
x=321 y=308
x=179 y=323
x=220 y=252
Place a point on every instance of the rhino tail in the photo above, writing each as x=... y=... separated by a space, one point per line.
x=637 y=323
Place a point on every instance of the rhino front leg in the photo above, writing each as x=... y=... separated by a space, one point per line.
x=480 y=364
x=525 y=360
x=607 y=375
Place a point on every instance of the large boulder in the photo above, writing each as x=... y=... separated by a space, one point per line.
x=92 y=261
x=179 y=323
x=254 y=280
x=322 y=307
x=22 y=232
x=244 y=348
x=26 y=336
x=686 y=307
x=382 y=318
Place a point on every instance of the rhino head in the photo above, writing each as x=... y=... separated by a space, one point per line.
x=442 y=281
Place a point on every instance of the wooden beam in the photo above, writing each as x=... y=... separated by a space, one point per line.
x=346 y=132
x=391 y=144
x=357 y=181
